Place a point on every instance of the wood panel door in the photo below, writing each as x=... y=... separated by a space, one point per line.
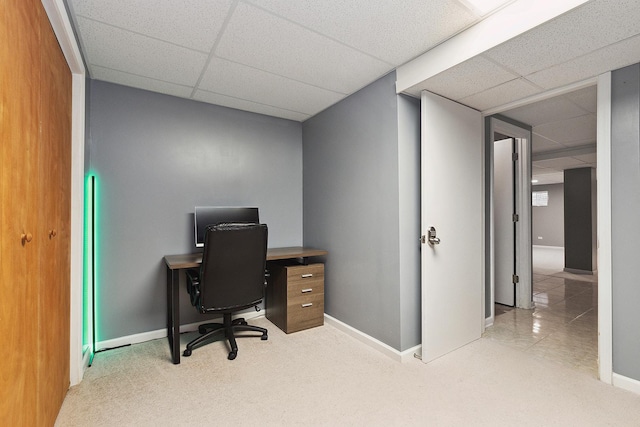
x=19 y=115
x=53 y=225
x=35 y=160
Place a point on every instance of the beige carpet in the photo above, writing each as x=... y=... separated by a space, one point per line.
x=324 y=377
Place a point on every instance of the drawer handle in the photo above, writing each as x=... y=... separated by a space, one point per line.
x=305 y=276
x=309 y=304
x=305 y=291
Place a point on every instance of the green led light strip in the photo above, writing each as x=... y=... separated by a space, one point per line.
x=90 y=256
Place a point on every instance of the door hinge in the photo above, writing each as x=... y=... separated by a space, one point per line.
x=516 y=218
x=515 y=278
x=514 y=156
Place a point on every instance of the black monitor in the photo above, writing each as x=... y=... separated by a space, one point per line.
x=210 y=215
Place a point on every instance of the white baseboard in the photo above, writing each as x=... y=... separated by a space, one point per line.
x=548 y=247
x=162 y=333
x=400 y=356
x=626 y=383
x=488 y=321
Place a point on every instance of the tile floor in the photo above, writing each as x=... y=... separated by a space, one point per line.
x=563 y=326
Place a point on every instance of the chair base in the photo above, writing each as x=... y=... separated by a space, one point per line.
x=228 y=327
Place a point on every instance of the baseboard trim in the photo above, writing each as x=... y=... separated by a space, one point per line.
x=162 y=333
x=488 y=321
x=626 y=383
x=400 y=356
x=578 y=271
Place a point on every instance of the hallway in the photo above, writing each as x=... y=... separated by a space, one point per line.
x=563 y=327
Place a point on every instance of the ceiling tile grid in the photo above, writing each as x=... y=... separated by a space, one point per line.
x=290 y=50
x=239 y=81
x=500 y=95
x=194 y=24
x=123 y=50
x=389 y=30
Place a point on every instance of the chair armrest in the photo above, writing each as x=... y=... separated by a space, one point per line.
x=193 y=285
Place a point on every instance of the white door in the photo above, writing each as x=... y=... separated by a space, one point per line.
x=504 y=227
x=452 y=203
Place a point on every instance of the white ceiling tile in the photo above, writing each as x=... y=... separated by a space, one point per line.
x=541 y=144
x=550 y=110
x=113 y=76
x=616 y=56
x=470 y=77
x=588 y=158
x=239 y=81
x=192 y=23
x=261 y=40
x=576 y=130
x=591 y=26
x=586 y=98
x=560 y=163
x=501 y=95
x=387 y=29
x=122 y=50
x=241 y=104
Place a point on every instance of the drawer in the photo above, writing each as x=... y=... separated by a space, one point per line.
x=297 y=273
x=305 y=287
x=305 y=312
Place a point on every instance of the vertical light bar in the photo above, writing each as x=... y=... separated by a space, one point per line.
x=89 y=303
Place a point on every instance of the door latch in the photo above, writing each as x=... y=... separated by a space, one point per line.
x=431 y=236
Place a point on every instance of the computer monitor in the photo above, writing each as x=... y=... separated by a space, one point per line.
x=212 y=215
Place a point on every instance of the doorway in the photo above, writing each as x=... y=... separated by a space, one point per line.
x=562 y=324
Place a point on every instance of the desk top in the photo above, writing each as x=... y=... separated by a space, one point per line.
x=175 y=262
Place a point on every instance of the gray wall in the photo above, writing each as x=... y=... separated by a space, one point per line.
x=579 y=219
x=548 y=221
x=156 y=157
x=625 y=225
x=361 y=170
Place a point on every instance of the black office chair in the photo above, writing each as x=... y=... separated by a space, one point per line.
x=231 y=278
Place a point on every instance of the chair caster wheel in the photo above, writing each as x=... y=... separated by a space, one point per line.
x=244 y=322
x=232 y=355
x=202 y=330
x=264 y=337
x=186 y=353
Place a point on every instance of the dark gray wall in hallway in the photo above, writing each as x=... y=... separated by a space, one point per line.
x=625 y=225
x=579 y=219
x=548 y=221
x=359 y=175
x=156 y=157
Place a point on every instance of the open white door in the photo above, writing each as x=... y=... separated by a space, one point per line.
x=452 y=203
x=504 y=207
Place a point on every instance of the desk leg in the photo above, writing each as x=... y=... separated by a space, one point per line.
x=173 y=314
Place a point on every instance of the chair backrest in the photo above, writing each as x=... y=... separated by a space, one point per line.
x=233 y=266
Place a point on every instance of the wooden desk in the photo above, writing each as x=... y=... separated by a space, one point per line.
x=176 y=264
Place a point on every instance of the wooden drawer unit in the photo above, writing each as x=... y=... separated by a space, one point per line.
x=295 y=296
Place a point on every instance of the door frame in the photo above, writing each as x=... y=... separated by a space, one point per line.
x=603 y=174
x=522 y=134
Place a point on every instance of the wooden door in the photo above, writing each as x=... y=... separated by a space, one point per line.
x=53 y=225
x=35 y=160
x=19 y=115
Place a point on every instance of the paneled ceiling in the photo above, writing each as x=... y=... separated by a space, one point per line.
x=293 y=59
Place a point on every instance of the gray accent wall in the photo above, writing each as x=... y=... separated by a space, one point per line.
x=580 y=220
x=548 y=221
x=155 y=158
x=361 y=203
x=625 y=223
